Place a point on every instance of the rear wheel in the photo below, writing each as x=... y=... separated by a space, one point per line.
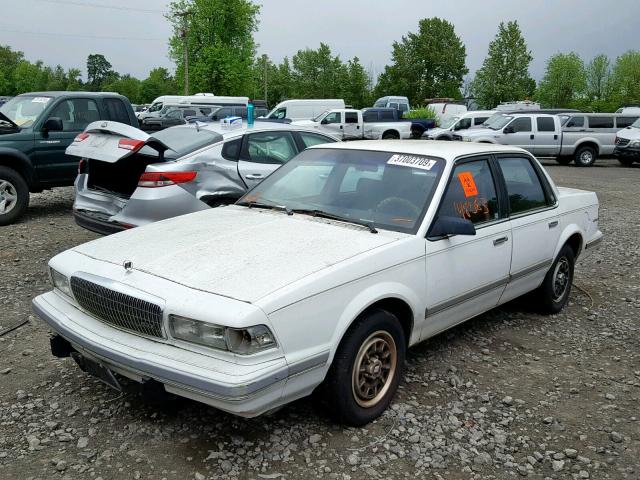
x=626 y=161
x=564 y=160
x=14 y=196
x=585 y=156
x=367 y=369
x=390 y=136
x=554 y=292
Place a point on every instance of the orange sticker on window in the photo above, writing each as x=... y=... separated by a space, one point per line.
x=468 y=185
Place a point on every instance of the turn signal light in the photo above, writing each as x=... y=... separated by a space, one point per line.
x=130 y=144
x=164 y=179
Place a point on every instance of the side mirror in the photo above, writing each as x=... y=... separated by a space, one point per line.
x=324 y=122
x=53 y=124
x=445 y=226
x=508 y=129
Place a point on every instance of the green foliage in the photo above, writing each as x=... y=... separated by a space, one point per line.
x=625 y=79
x=504 y=75
x=221 y=48
x=99 y=72
x=159 y=82
x=126 y=85
x=427 y=64
x=564 y=81
x=421 y=112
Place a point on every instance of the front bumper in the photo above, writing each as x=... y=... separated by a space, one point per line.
x=627 y=151
x=245 y=390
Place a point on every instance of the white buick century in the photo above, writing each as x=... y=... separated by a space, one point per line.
x=321 y=277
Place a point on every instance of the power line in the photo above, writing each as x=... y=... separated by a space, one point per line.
x=75 y=35
x=78 y=3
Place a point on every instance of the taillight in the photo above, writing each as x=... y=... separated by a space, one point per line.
x=129 y=144
x=81 y=137
x=82 y=166
x=164 y=179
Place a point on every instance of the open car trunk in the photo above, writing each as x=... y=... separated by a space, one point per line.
x=116 y=155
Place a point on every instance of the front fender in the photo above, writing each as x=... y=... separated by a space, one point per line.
x=485 y=140
x=12 y=158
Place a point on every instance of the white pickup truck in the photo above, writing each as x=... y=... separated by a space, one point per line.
x=349 y=124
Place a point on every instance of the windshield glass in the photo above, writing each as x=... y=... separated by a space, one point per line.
x=23 y=110
x=636 y=123
x=498 y=122
x=182 y=140
x=155 y=107
x=318 y=117
x=449 y=123
x=382 y=189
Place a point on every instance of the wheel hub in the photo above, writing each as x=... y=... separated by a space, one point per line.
x=561 y=276
x=8 y=197
x=374 y=369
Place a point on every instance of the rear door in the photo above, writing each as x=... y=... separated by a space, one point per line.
x=262 y=153
x=351 y=127
x=53 y=165
x=547 y=138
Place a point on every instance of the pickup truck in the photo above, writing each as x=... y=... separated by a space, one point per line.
x=577 y=137
x=35 y=131
x=350 y=124
x=418 y=125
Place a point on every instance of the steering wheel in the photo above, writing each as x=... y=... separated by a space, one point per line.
x=397 y=206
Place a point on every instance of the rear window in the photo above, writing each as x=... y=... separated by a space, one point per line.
x=116 y=110
x=370 y=117
x=182 y=141
x=600 y=122
x=386 y=115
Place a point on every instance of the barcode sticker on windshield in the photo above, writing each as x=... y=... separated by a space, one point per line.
x=412 y=161
x=40 y=100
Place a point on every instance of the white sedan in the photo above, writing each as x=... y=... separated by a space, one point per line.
x=320 y=277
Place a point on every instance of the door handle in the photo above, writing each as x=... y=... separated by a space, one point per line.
x=553 y=224
x=341 y=127
x=555 y=137
x=531 y=137
x=500 y=241
x=254 y=176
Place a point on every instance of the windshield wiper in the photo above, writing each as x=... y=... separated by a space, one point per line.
x=266 y=206
x=331 y=216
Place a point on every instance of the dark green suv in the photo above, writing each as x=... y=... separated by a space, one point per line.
x=35 y=131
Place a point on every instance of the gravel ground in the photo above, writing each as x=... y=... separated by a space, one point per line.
x=508 y=394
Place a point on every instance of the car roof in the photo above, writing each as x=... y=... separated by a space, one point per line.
x=433 y=148
x=230 y=132
x=70 y=94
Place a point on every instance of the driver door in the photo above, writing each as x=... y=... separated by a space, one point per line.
x=262 y=153
x=332 y=123
x=466 y=274
x=522 y=135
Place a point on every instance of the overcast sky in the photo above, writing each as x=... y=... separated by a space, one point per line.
x=133 y=34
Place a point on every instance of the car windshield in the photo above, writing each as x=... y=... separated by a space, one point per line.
x=498 y=122
x=318 y=117
x=182 y=140
x=24 y=110
x=449 y=123
x=380 y=189
x=636 y=124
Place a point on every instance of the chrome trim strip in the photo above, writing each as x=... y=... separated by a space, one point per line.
x=593 y=243
x=534 y=268
x=309 y=363
x=466 y=296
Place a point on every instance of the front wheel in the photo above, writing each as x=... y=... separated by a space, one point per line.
x=554 y=292
x=390 y=136
x=14 y=196
x=585 y=156
x=367 y=369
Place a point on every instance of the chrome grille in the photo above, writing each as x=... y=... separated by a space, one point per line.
x=118 y=309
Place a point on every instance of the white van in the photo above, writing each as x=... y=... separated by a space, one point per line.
x=629 y=110
x=399 y=103
x=303 y=109
x=197 y=99
x=446 y=111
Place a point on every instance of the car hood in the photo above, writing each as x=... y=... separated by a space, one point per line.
x=237 y=252
x=436 y=131
x=630 y=133
x=480 y=132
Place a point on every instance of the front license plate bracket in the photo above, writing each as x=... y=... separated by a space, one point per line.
x=97 y=370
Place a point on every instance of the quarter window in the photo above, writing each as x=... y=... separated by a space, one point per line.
x=310 y=139
x=522 y=124
x=471 y=193
x=270 y=147
x=523 y=185
x=369 y=117
x=600 y=122
x=545 y=124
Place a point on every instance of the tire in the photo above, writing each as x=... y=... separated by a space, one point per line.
x=444 y=138
x=416 y=133
x=14 y=196
x=390 y=135
x=564 y=160
x=626 y=161
x=585 y=156
x=346 y=401
x=553 y=294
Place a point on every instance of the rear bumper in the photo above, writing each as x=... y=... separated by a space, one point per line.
x=245 y=390
x=90 y=222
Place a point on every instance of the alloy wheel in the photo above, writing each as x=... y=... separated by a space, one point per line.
x=561 y=278
x=8 y=196
x=374 y=369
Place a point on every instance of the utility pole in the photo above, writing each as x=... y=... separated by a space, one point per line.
x=264 y=57
x=184 y=33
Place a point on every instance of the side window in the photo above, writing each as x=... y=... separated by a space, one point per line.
x=471 y=193
x=393 y=105
x=545 y=124
x=270 y=147
x=479 y=120
x=386 y=115
x=116 y=110
x=624 y=122
x=575 y=122
x=523 y=185
x=350 y=117
x=188 y=113
x=404 y=107
x=280 y=113
x=175 y=114
x=370 y=117
x=76 y=114
x=521 y=124
x=310 y=139
x=231 y=150
x=600 y=122
x=205 y=111
x=333 y=117
x=463 y=124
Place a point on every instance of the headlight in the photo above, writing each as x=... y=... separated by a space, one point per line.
x=60 y=282
x=634 y=143
x=243 y=341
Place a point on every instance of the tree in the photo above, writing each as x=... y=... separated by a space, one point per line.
x=357 y=86
x=625 y=79
x=317 y=73
x=221 y=48
x=427 y=64
x=27 y=77
x=504 y=75
x=126 y=85
x=598 y=84
x=564 y=81
x=98 y=71
x=9 y=60
x=159 y=82
x=74 y=82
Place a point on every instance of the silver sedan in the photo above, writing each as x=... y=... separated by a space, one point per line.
x=127 y=178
